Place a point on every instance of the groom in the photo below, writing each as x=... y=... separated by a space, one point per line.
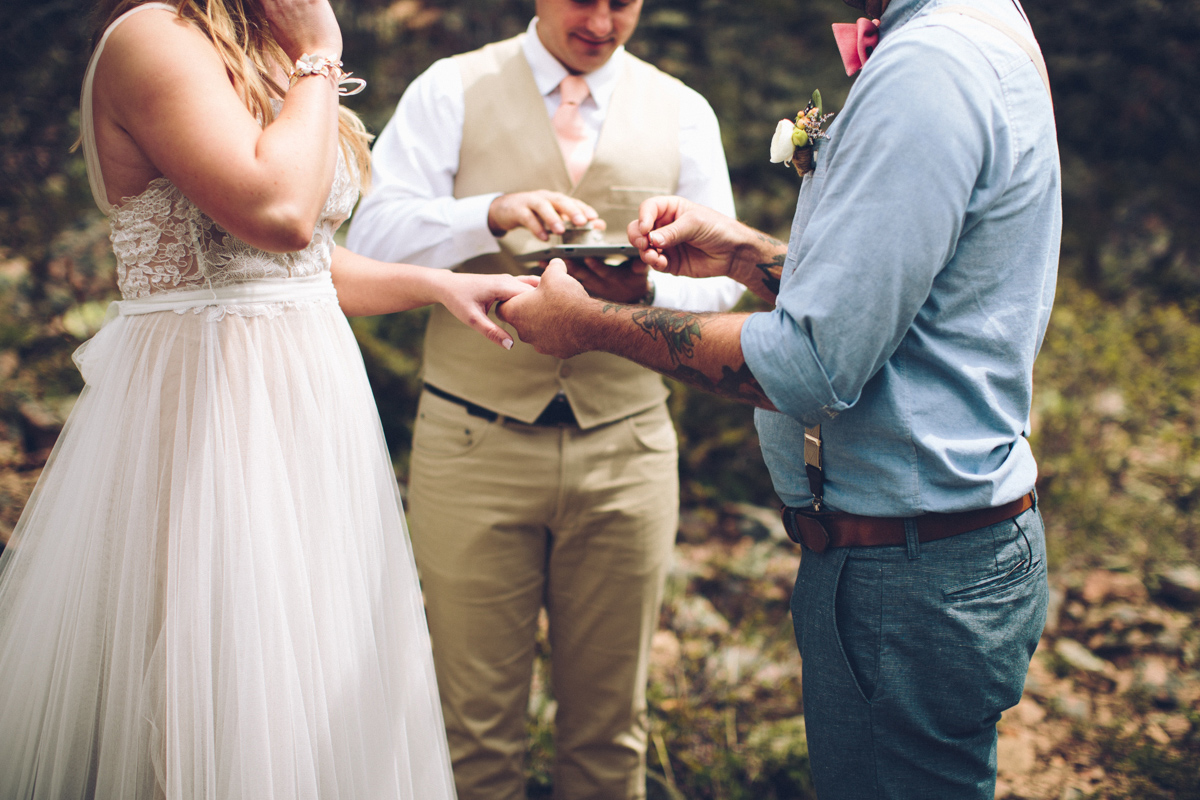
x=893 y=381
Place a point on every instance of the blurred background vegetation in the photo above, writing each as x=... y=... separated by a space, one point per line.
x=1117 y=386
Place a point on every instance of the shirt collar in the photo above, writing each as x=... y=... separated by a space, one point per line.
x=898 y=13
x=548 y=71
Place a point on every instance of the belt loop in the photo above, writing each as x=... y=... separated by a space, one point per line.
x=911 y=539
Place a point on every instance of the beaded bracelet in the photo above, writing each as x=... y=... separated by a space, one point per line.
x=326 y=67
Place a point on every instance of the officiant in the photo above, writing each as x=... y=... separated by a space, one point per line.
x=538 y=481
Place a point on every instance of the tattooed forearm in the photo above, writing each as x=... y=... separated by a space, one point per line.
x=737 y=384
x=759 y=265
x=772 y=272
x=771 y=241
x=679 y=330
x=682 y=332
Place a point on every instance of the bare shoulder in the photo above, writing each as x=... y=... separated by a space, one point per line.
x=154 y=49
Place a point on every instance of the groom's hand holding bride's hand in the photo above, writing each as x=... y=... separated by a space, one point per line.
x=545 y=318
x=672 y=235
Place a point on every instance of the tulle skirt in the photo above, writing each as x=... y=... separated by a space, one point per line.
x=211 y=592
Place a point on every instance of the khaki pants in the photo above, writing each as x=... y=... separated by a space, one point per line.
x=506 y=518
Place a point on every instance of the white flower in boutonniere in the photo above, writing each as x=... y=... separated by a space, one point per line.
x=794 y=141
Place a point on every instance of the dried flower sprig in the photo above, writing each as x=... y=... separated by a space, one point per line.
x=797 y=138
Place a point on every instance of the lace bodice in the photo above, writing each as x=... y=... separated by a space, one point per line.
x=164 y=243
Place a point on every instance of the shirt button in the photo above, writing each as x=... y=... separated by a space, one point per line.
x=565 y=370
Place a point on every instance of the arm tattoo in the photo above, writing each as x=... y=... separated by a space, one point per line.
x=680 y=330
x=772 y=273
x=737 y=384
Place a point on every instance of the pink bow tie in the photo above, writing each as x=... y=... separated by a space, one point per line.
x=856 y=42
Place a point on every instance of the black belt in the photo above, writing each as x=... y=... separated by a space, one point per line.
x=556 y=413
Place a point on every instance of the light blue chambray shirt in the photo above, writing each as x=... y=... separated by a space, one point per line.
x=919 y=277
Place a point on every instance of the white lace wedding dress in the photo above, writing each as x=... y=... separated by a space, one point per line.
x=211 y=592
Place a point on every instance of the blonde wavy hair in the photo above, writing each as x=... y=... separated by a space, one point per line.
x=243 y=38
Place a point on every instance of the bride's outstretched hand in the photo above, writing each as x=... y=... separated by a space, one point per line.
x=470 y=297
x=304 y=26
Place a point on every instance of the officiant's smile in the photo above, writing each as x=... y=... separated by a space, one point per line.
x=583 y=34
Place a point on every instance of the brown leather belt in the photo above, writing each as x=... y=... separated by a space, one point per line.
x=820 y=530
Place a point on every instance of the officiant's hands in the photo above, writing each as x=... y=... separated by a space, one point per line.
x=541 y=212
x=621 y=283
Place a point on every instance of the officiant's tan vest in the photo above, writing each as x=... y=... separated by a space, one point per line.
x=509 y=146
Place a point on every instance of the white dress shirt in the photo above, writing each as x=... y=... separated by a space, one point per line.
x=412 y=216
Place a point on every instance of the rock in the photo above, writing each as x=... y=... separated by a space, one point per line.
x=1109 y=403
x=1078 y=657
x=696 y=525
x=696 y=616
x=1015 y=754
x=780 y=743
x=1103 y=586
x=665 y=654
x=1155 y=733
x=39 y=417
x=1180 y=585
x=757 y=522
x=1154 y=679
x=1027 y=712
x=1177 y=727
x=728 y=664
x=1058 y=596
x=1074 y=707
x=9 y=361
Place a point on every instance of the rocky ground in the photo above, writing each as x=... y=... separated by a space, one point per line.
x=1111 y=706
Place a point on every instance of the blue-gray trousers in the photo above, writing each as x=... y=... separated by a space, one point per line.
x=910 y=655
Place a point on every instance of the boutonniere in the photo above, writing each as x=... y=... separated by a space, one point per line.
x=794 y=141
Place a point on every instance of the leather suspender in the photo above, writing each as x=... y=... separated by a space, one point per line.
x=1030 y=47
x=813 y=466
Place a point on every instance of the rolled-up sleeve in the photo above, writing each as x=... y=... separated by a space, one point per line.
x=893 y=192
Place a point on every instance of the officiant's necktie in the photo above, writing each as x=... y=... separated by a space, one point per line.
x=568 y=126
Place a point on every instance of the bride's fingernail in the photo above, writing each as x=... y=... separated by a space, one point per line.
x=507 y=344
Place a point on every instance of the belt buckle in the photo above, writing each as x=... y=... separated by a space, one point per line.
x=804 y=527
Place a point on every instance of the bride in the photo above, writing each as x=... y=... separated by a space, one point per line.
x=211 y=593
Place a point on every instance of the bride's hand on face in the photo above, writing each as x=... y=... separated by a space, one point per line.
x=470 y=297
x=304 y=26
